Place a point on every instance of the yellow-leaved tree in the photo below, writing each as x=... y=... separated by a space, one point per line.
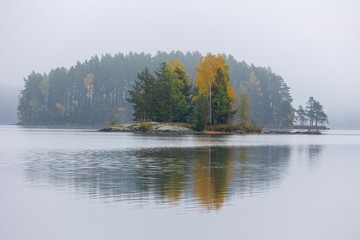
x=212 y=81
x=206 y=72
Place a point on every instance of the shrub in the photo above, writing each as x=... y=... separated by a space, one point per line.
x=111 y=124
x=244 y=128
x=144 y=126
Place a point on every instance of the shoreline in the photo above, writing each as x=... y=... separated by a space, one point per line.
x=177 y=129
x=183 y=129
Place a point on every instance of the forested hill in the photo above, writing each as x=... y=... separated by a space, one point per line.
x=96 y=91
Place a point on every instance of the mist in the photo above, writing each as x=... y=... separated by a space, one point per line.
x=313 y=45
x=8 y=104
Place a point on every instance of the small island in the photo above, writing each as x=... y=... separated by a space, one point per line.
x=216 y=94
x=166 y=102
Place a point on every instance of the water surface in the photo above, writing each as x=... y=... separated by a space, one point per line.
x=83 y=184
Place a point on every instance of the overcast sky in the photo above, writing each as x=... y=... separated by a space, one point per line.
x=313 y=44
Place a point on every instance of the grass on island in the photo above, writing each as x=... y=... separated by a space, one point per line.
x=113 y=124
x=233 y=128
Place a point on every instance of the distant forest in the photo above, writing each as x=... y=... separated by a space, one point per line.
x=97 y=90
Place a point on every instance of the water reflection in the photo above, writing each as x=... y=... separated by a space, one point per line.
x=314 y=152
x=310 y=153
x=212 y=176
x=206 y=175
x=259 y=168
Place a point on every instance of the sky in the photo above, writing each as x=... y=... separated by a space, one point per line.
x=313 y=44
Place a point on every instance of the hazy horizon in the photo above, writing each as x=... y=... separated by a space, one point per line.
x=313 y=45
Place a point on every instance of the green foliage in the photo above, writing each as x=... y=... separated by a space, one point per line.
x=142 y=96
x=312 y=115
x=244 y=108
x=220 y=102
x=315 y=112
x=97 y=91
x=201 y=113
x=31 y=99
x=269 y=97
x=301 y=117
x=285 y=114
x=180 y=96
x=164 y=97
x=92 y=92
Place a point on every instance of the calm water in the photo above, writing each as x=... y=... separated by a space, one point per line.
x=82 y=184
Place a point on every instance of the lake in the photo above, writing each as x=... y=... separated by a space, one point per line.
x=83 y=184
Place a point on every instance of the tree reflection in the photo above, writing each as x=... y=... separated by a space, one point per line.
x=314 y=152
x=259 y=167
x=163 y=171
x=212 y=176
x=209 y=175
x=310 y=153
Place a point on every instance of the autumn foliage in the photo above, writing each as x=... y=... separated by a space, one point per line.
x=212 y=81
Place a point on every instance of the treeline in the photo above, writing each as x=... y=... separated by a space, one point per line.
x=97 y=90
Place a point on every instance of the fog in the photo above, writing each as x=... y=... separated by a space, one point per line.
x=8 y=104
x=313 y=45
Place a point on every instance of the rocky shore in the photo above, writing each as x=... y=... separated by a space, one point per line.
x=307 y=132
x=150 y=127
x=183 y=128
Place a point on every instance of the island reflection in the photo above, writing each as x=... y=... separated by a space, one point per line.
x=207 y=175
